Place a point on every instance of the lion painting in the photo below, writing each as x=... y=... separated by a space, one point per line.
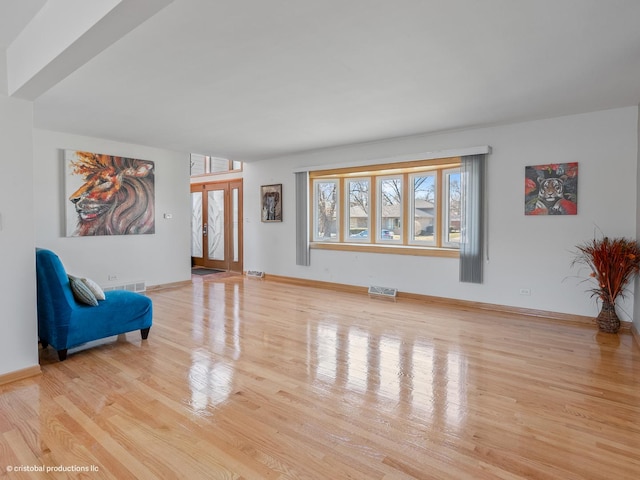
x=116 y=196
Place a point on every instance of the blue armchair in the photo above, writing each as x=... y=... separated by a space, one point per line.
x=63 y=322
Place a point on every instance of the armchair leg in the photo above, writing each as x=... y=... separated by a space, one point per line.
x=62 y=354
x=145 y=332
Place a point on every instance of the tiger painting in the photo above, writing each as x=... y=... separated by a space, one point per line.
x=550 y=192
x=551 y=189
x=117 y=196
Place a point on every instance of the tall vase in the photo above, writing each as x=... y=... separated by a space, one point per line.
x=607 y=319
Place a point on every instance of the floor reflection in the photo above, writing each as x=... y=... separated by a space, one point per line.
x=211 y=381
x=369 y=365
x=392 y=370
x=215 y=327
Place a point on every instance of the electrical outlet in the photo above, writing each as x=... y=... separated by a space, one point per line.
x=525 y=291
x=112 y=277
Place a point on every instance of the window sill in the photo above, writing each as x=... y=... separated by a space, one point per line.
x=388 y=249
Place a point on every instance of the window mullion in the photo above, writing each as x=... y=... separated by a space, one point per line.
x=311 y=207
x=406 y=216
x=440 y=191
x=341 y=226
x=373 y=209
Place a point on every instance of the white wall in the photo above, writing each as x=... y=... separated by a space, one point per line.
x=533 y=252
x=19 y=337
x=636 y=298
x=157 y=259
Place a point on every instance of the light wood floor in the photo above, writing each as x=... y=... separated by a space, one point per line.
x=248 y=378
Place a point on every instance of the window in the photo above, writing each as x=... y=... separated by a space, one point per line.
x=326 y=206
x=452 y=207
x=412 y=207
x=390 y=214
x=205 y=165
x=422 y=208
x=358 y=211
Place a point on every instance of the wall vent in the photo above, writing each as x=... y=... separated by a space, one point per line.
x=383 y=291
x=138 y=287
x=255 y=273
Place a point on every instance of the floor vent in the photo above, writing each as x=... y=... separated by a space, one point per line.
x=383 y=291
x=138 y=287
x=255 y=273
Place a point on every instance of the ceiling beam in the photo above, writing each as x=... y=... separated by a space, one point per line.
x=66 y=34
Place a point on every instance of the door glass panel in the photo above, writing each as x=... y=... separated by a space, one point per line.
x=215 y=221
x=196 y=224
x=234 y=221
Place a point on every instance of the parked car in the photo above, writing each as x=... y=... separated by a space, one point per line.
x=386 y=234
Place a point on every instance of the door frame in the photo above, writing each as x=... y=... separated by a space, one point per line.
x=233 y=226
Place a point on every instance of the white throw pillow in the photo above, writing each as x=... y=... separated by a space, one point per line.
x=95 y=288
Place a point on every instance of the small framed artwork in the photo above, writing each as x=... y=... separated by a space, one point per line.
x=551 y=189
x=271 y=198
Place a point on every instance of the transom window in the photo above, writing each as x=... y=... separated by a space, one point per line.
x=206 y=165
x=413 y=205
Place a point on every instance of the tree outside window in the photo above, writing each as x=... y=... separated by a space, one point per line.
x=358 y=209
x=326 y=208
x=390 y=209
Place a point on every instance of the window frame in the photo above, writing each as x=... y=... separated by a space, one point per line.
x=405 y=244
x=379 y=238
x=412 y=208
x=315 y=208
x=206 y=162
x=347 y=211
x=446 y=206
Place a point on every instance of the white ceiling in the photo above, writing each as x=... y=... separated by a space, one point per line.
x=14 y=15
x=254 y=79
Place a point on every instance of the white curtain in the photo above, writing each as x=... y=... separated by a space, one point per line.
x=302 y=219
x=472 y=173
